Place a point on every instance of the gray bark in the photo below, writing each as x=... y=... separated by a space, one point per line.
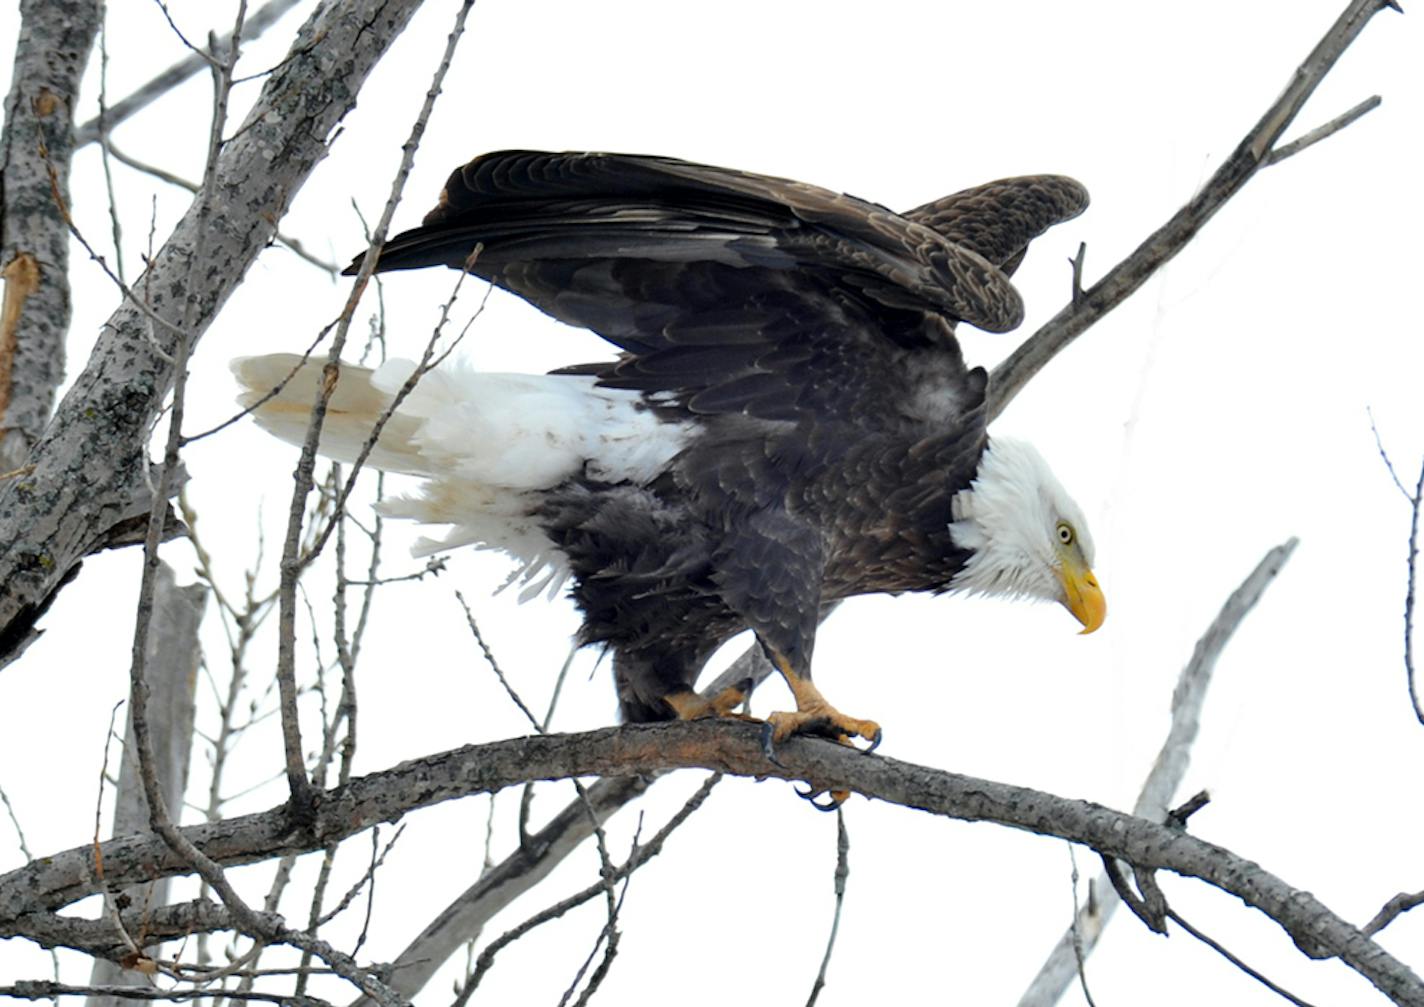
x=172 y=677
x=56 y=37
x=88 y=469
x=733 y=748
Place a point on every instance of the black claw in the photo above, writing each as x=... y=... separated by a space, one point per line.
x=875 y=741
x=768 y=735
x=810 y=794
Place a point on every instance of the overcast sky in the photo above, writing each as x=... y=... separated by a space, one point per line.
x=1218 y=412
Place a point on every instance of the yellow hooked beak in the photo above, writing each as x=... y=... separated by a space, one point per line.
x=1081 y=594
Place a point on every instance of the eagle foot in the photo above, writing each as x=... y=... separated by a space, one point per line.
x=821 y=720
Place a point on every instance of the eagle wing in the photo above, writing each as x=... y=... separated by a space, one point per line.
x=734 y=292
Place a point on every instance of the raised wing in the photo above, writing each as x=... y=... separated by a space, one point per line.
x=735 y=292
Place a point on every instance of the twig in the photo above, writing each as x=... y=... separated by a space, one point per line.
x=1384 y=455
x=115 y=225
x=640 y=856
x=15 y=821
x=293 y=562
x=253 y=27
x=1250 y=155
x=1321 y=132
x=291 y=243
x=494 y=665
x=1078 y=954
x=377 y=859
x=1414 y=506
x=1219 y=949
x=841 y=874
x=1394 y=908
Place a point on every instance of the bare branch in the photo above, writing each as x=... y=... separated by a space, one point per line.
x=1162 y=781
x=636 y=859
x=1250 y=155
x=193 y=63
x=89 y=470
x=172 y=664
x=1321 y=132
x=729 y=747
x=1415 y=503
x=290 y=242
x=1219 y=949
x=45 y=990
x=293 y=561
x=540 y=853
x=1393 y=909
x=51 y=52
x=842 y=873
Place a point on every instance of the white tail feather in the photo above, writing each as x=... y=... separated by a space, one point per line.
x=485 y=443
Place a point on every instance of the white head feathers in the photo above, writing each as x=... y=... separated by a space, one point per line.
x=1021 y=525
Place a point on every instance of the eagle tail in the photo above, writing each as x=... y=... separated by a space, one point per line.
x=280 y=388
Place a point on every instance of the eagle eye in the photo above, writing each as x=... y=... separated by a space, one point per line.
x=1065 y=533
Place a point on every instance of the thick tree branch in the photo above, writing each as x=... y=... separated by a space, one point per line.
x=89 y=469
x=734 y=748
x=56 y=37
x=1251 y=154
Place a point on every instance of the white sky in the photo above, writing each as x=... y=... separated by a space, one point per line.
x=1218 y=412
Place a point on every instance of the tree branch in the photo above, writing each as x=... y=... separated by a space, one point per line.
x=733 y=748
x=1250 y=155
x=261 y=19
x=1166 y=775
x=172 y=676
x=56 y=37
x=89 y=469
x=539 y=854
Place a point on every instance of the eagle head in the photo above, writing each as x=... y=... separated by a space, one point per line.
x=1025 y=534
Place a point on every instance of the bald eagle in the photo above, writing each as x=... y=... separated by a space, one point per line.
x=789 y=422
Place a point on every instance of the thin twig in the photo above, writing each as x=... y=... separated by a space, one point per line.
x=176 y=74
x=1078 y=954
x=295 y=245
x=1414 y=506
x=841 y=874
x=1219 y=949
x=494 y=665
x=640 y=856
x=1384 y=455
x=293 y=563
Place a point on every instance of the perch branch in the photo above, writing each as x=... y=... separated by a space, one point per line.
x=728 y=747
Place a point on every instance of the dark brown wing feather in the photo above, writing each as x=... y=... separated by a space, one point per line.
x=740 y=293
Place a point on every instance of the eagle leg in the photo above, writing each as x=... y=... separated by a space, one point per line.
x=813 y=714
x=689 y=705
